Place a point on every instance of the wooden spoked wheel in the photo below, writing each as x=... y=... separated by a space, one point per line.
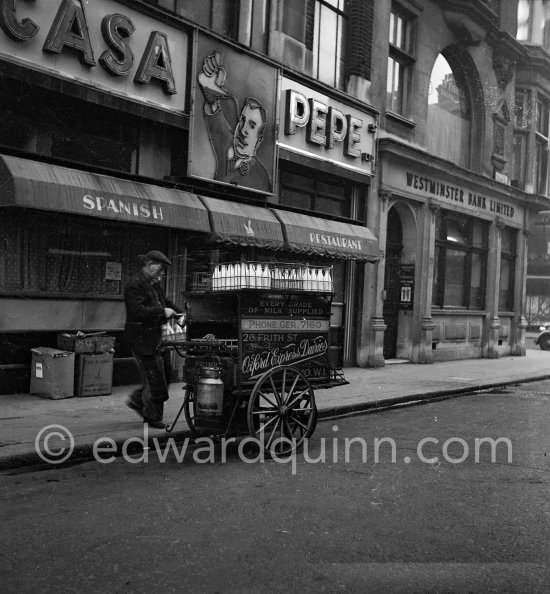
x=281 y=410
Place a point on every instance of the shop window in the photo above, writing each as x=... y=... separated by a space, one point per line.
x=400 y=60
x=507 y=269
x=437 y=288
x=315 y=195
x=16 y=131
x=449 y=115
x=92 y=150
x=101 y=138
x=31 y=120
x=456 y=231
x=455 y=269
x=477 y=279
x=21 y=117
x=61 y=256
x=179 y=153
x=12 y=241
x=310 y=36
x=460 y=262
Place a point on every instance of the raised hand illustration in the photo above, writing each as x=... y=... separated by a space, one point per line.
x=212 y=79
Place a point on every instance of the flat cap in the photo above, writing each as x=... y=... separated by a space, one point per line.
x=156 y=256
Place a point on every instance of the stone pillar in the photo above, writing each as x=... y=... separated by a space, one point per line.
x=425 y=352
x=375 y=357
x=492 y=322
x=370 y=348
x=424 y=269
x=520 y=323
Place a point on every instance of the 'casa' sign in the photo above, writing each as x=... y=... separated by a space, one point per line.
x=102 y=43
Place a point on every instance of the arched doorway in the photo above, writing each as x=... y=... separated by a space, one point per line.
x=390 y=311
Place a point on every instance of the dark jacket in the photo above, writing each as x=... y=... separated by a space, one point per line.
x=145 y=303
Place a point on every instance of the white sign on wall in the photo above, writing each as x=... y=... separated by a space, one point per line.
x=113 y=271
x=319 y=126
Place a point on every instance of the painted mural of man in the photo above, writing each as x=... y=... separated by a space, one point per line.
x=234 y=137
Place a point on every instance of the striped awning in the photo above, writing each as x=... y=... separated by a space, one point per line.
x=33 y=184
x=243 y=224
x=335 y=239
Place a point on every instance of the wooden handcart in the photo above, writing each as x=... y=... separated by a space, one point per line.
x=256 y=349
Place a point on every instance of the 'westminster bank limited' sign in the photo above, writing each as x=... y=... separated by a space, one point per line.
x=475 y=200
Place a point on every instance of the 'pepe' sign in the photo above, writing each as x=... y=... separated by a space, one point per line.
x=325 y=128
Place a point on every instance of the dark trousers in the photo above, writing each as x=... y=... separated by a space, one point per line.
x=155 y=372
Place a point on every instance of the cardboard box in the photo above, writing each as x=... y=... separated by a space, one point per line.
x=94 y=375
x=71 y=342
x=52 y=373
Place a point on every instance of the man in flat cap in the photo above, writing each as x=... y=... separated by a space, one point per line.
x=147 y=309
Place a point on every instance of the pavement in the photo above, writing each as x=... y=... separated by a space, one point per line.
x=31 y=425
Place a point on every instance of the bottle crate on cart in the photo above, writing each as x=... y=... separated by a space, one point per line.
x=52 y=373
x=291 y=276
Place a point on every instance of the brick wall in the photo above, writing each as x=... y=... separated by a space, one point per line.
x=360 y=17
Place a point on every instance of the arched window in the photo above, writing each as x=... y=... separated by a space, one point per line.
x=449 y=115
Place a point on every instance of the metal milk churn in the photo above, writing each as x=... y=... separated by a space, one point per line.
x=210 y=392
